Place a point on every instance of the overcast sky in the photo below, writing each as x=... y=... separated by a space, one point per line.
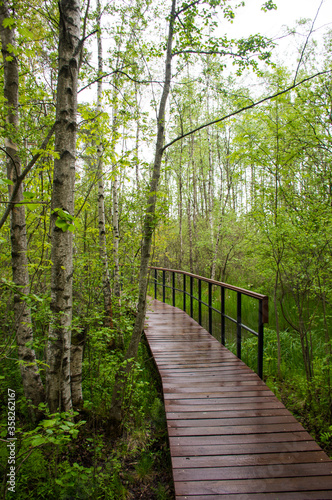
x=251 y=19
x=273 y=24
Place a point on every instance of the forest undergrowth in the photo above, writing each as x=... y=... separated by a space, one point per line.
x=72 y=456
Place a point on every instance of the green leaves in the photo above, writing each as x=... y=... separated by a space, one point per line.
x=25 y=32
x=9 y=22
x=57 y=430
x=6 y=181
x=65 y=221
x=269 y=5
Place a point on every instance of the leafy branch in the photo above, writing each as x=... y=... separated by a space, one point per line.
x=25 y=173
x=245 y=108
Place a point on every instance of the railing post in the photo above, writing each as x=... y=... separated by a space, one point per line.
x=164 y=288
x=210 y=308
x=238 y=329
x=222 y=294
x=184 y=292
x=260 y=340
x=155 y=282
x=173 y=289
x=199 y=302
x=191 y=296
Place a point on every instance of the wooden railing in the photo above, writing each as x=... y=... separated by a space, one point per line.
x=189 y=293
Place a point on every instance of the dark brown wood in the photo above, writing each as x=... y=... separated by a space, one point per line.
x=305 y=495
x=222 y=473
x=226 y=455
x=229 y=436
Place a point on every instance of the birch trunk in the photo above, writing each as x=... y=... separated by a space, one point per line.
x=138 y=130
x=115 y=208
x=148 y=229
x=180 y=207
x=190 y=233
x=195 y=204
x=101 y=196
x=210 y=187
x=221 y=220
x=32 y=383
x=116 y=238
x=115 y=222
x=219 y=231
x=58 y=349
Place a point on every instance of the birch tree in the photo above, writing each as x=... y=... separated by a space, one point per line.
x=59 y=342
x=100 y=173
x=32 y=383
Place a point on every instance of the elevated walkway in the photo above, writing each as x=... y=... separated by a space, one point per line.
x=229 y=436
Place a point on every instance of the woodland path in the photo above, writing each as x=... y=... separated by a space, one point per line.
x=229 y=436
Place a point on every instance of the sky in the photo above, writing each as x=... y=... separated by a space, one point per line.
x=251 y=19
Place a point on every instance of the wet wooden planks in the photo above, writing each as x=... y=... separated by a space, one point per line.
x=230 y=437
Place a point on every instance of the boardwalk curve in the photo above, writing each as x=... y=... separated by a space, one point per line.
x=229 y=436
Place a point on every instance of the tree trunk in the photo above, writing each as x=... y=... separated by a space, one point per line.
x=221 y=220
x=137 y=139
x=148 y=229
x=115 y=208
x=58 y=349
x=116 y=238
x=210 y=188
x=119 y=343
x=180 y=207
x=32 y=383
x=190 y=234
x=101 y=198
x=275 y=302
x=76 y=360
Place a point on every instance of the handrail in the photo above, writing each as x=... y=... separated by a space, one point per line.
x=263 y=313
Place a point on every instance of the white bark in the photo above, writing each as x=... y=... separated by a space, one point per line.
x=101 y=198
x=115 y=208
x=116 y=238
x=210 y=187
x=32 y=383
x=58 y=349
x=115 y=223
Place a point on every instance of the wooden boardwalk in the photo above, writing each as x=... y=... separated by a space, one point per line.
x=229 y=436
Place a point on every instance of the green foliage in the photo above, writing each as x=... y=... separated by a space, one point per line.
x=310 y=401
x=65 y=220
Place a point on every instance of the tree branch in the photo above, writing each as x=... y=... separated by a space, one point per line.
x=208 y=52
x=25 y=173
x=10 y=156
x=245 y=108
x=306 y=42
x=118 y=71
x=186 y=8
x=84 y=31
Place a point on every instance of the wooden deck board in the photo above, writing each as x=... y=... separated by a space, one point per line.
x=229 y=436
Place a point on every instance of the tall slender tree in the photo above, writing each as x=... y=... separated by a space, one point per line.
x=59 y=341
x=32 y=383
x=100 y=173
